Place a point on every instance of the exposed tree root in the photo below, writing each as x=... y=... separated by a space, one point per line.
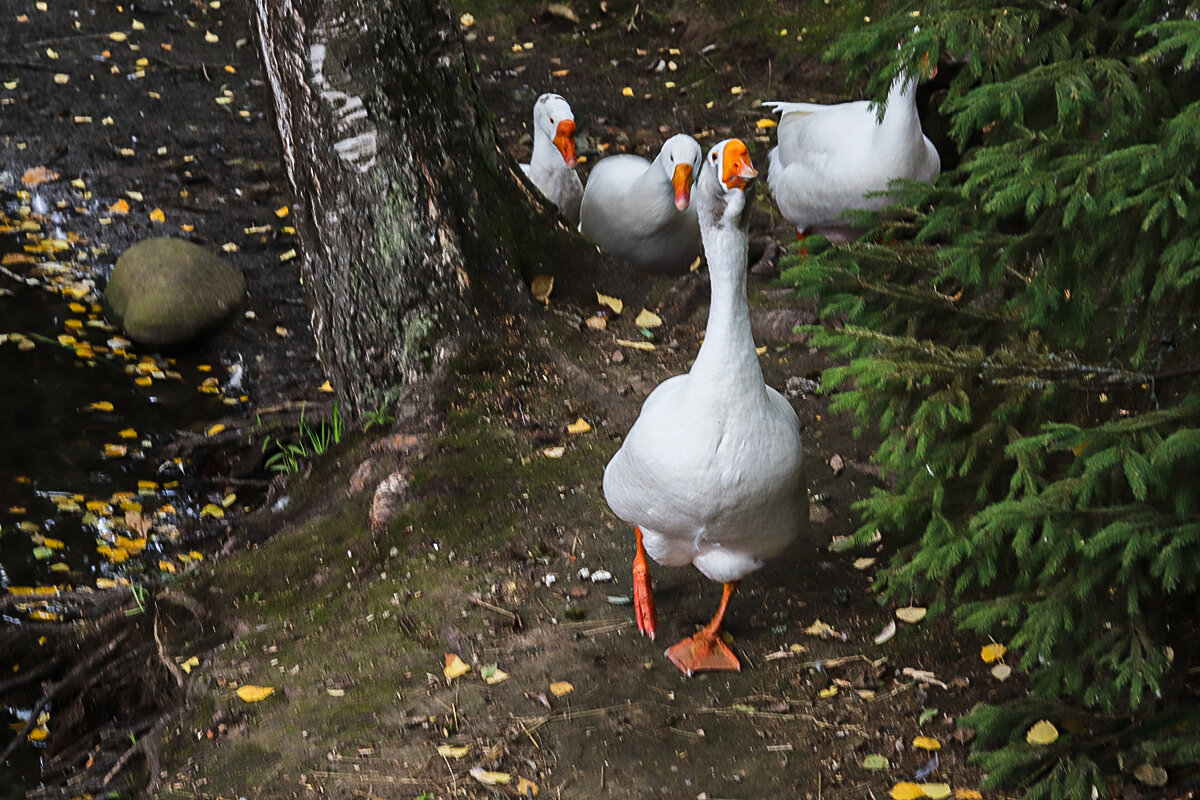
x=108 y=682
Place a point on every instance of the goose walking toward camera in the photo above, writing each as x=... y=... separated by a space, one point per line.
x=552 y=166
x=640 y=210
x=712 y=471
x=829 y=156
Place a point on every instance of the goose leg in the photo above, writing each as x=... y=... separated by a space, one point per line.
x=643 y=595
x=802 y=250
x=706 y=650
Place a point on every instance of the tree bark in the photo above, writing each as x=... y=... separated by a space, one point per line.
x=415 y=227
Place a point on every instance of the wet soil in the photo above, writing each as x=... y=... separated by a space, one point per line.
x=474 y=525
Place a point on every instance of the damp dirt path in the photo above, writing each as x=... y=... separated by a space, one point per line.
x=496 y=552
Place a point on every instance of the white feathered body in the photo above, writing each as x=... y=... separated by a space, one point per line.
x=712 y=470
x=830 y=156
x=628 y=209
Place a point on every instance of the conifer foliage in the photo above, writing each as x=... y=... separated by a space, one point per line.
x=1025 y=348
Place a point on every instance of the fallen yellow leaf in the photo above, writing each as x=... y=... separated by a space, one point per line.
x=214 y=430
x=927 y=743
x=254 y=694
x=526 y=787
x=906 y=791
x=102 y=405
x=935 y=791
x=117 y=36
x=38 y=175
x=766 y=123
x=325 y=387
x=627 y=91
x=828 y=692
x=1042 y=733
x=559 y=688
x=497 y=676
x=579 y=426
x=910 y=614
x=615 y=303
x=490 y=778
x=119 y=207
x=455 y=667
x=554 y=452
x=636 y=345
x=541 y=287
x=38 y=735
x=968 y=794
x=992 y=652
x=453 y=750
x=157 y=215
x=647 y=319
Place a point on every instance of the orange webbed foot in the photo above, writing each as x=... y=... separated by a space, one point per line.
x=703 y=652
x=643 y=596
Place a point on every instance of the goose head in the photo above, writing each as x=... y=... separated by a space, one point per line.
x=726 y=176
x=680 y=159
x=553 y=119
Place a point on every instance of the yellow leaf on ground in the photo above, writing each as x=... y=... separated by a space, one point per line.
x=157 y=215
x=554 y=452
x=490 y=778
x=455 y=667
x=992 y=652
x=829 y=692
x=526 y=787
x=38 y=175
x=453 y=750
x=103 y=405
x=325 y=387
x=647 y=319
x=254 y=694
x=1042 y=733
x=906 y=791
x=38 y=735
x=542 y=286
x=119 y=207
x=766 y=123
x=968 y=794
x=927 y=743
x=214 y=430
x=559 y=688
x=636 y=345
x=212 y=510
x=615 y=303
x=579 y=426
x=115 y=450
x=819 y=628
x=910 y=614
x=118 y=36
x=627 y=91
x=935 y=791
x=497 y=676
x=189 y=664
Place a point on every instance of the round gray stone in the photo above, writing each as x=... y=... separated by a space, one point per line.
x=168 y=291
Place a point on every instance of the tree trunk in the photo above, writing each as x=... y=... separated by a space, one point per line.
x=414 y=225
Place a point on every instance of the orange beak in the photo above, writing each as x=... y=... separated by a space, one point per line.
x=736 y=169
x=564 y=140
x=682 y=181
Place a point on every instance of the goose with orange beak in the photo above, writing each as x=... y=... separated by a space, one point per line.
x=640 y=211
x=552 y=166
x=712 y=471
x=830 y=156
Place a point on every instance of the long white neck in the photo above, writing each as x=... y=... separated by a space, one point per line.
x=727 y=356
x=546 y=157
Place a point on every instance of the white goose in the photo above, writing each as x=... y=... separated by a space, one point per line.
x=712 y=470
x=638 y=210
x=552 y=166
x=829 y=156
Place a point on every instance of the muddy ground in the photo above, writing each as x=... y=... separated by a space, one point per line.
x=497 y=535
